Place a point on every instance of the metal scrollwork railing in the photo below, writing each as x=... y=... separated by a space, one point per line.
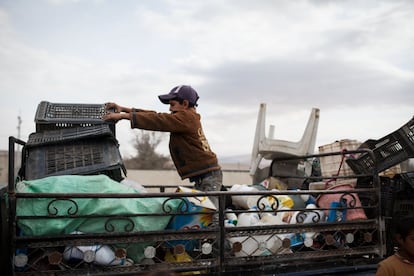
x=53 y=210
x=349 y=198
x=309 y=216
x=129 y=224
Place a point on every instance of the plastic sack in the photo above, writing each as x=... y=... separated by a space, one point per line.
x=68 y=184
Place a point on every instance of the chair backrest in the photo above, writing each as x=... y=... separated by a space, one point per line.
x=269 y=148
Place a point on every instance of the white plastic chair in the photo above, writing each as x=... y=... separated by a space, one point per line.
x=269 y=148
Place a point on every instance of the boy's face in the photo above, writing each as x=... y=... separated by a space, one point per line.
x=407 y=244
x=176 y=106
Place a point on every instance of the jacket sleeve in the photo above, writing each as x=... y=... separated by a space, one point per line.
x=167 y=122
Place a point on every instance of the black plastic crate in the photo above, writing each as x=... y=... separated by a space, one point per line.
x=408 y=178
x=387 y=196
x=403 y=208
x=50 y=116
x=388 y=151
x=68 y=134
x=82 y=156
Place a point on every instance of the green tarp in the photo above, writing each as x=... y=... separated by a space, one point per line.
x=87 y=206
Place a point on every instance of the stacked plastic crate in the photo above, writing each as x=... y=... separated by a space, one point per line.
x=72 y=139
x=333 y=165
x=388 y=151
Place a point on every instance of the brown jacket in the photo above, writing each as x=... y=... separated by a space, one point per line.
x=189 y=148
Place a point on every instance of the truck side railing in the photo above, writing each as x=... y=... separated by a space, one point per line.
x=273 y=238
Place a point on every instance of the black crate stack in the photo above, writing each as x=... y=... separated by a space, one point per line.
x=388 y=151
x=72 y=139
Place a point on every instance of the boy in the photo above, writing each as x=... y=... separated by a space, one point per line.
x=402 y=262
x=188 y=146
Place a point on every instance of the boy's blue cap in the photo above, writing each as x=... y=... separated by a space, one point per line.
x=184 y=92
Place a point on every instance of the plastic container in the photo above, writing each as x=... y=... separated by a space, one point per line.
x=308 y=199
x=231 y=218
x=65 y=135
x=336 y=213
x=270 y=219
x=230 y=223
x=331 y=164
x=51 y=116
x=388 y=151
x=247 y=201
x=20 y=261
x=84 y=157
x=285 y=214
x=230 y=215
x=283 y=201
x=206 y=248
x=149 y=252
x=247 y=219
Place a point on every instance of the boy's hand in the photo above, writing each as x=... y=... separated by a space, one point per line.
x=113 y=107
x=115 y=117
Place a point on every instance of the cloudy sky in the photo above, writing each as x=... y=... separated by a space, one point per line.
x=353 y=60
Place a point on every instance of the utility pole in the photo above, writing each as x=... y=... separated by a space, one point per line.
x=19 y=123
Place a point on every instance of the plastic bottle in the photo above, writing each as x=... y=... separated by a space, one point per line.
x=283 y=200
x=231 y=217
x=270 y=219
x=230 y=214
x=105 y=255
x=247 y=219
x=308 y=199
x=20 y=261
x=243 y=201
x=308 y=242
x=149 y=253
x=206 y=248
x=230 y=223
x=313 y=216
x=336 y=213
x=285 y=214
x=349 y=238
